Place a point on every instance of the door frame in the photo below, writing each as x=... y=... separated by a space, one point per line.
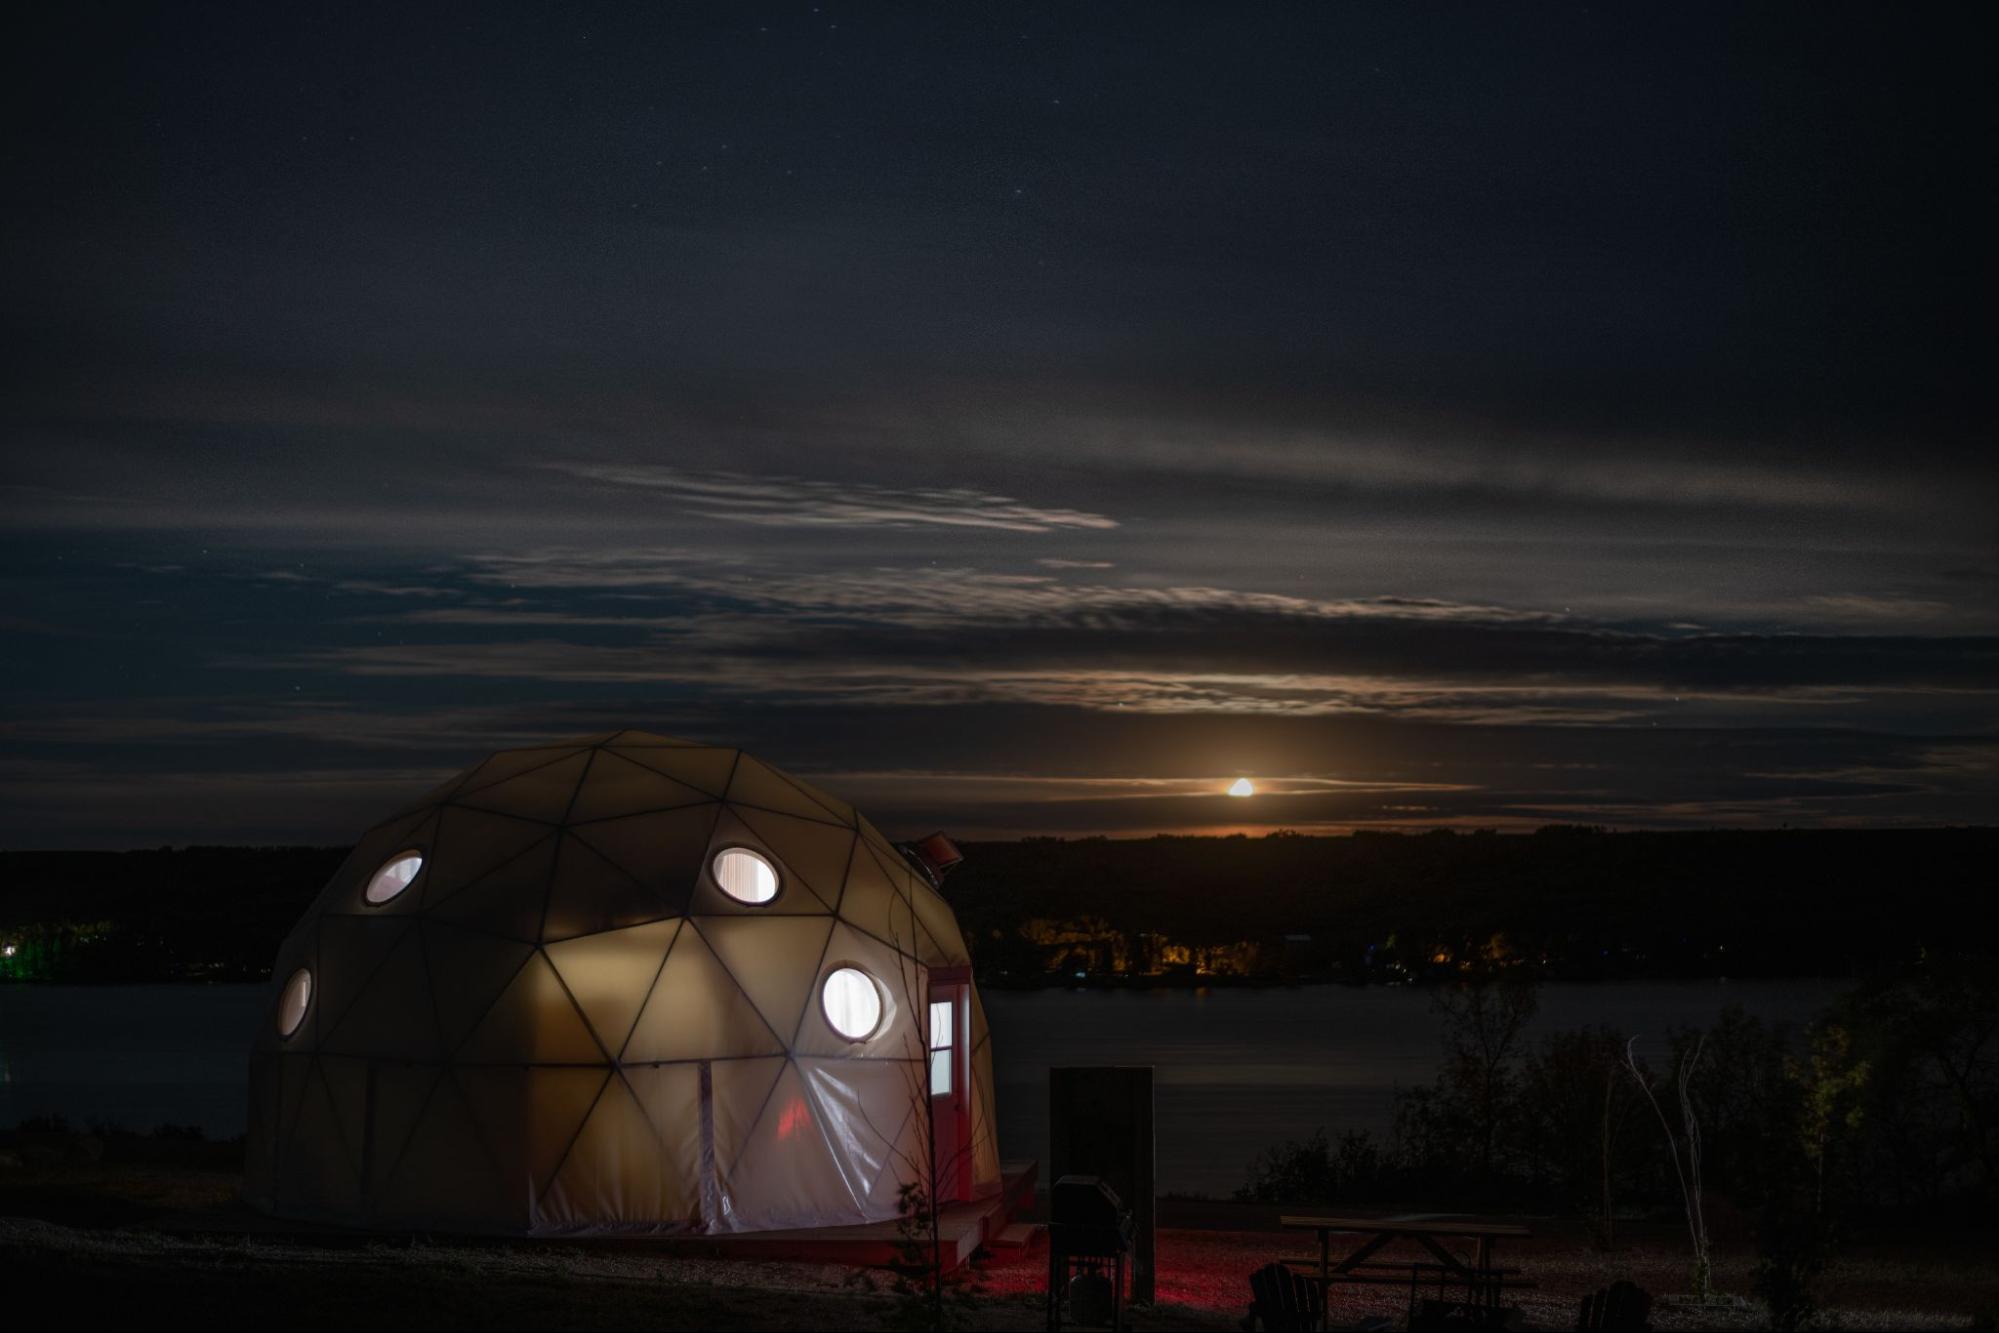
x=952 y=1112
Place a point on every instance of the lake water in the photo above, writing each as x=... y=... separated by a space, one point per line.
x=1237 y=1070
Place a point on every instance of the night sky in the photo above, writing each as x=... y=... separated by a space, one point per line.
x=1017 y=419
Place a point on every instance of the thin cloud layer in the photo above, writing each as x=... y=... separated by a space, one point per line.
x=1486 y=423
x=778 y=502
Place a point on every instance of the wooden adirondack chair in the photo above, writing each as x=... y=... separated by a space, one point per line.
x=1284 y=1301
x=1618 y=1308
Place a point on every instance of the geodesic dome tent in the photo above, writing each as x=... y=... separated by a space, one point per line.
x=625 y=982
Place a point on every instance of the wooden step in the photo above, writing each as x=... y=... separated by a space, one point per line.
x=1018 y=1236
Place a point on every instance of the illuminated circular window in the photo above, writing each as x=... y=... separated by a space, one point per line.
x=293 y=1003
x=853 y=1003
x=745 y=876
x=393 y=878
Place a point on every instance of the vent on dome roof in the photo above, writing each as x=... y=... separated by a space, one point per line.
x=934 y=856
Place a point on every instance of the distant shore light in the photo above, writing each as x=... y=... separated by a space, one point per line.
x=1242 y=787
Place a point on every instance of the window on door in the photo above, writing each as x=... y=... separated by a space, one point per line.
x=943 y=1031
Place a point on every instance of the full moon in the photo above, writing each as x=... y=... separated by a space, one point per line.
x=1242 y=787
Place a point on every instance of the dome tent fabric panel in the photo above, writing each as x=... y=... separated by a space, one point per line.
x=696 y=1011
x=609 y=975
x=704 y=768
x=558 y=1019
x=511 y=900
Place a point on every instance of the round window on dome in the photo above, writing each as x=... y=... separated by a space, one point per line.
x=852 y=1003
x=294 y=1001
x=745 y=876
x=394 y=876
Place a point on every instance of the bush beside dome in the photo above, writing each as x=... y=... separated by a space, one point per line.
x=612 y=984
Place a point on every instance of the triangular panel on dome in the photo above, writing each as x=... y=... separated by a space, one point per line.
x=509 y=899
x=470 y=845
x=795 y=894
x=930 y=909
x=468 y=971
x=448 y=1170
x=595 y=738
x=775 y=959
x=696 y=1011
x=588 y=893
x=905 y=1163
x=393 y=1016
x=350 y=949
x=294 y=1073
x=815 y=853
x=876 y=903
x=401 y=1093
x=836 y=807
x=741 y=1090
x=863 y=1108
x=671 y=1098
x=705 y=768
x=530 y=1116
x=316 y=1165
x=756 y=783
x=347 y=1091
x=542 y=793
x=533 y=1022
x=785 y=1169
x=882 y=846
x=904 y=989
x=512 y=763
x=609 y=975
x=663 y=851
x=614 y=1172
x=617 y=786
x=935 y=917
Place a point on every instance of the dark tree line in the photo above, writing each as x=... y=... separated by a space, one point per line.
x=1883 y=1110
x=1572 y=902
x=1565 y=902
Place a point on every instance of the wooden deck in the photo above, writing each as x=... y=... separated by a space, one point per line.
x=962 y=1228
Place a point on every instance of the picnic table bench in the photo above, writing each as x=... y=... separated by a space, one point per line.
x=1484 y=1281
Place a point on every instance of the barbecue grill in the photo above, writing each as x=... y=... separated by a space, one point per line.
x=1089 y=1230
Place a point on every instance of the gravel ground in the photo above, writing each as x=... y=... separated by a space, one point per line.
x=90 y=1247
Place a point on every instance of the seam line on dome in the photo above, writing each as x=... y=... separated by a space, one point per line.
x=430 y=987
x=525 y=772
x=327 y=1031
x=701 y=799
x=472 y=1028
x=479 y=879
x=741 y=990
x=541 y=1191
x=548 y=886
x=409 y=1137
x=651 y=986
x=797 y=787
x=625 y=753
x=479 y=1127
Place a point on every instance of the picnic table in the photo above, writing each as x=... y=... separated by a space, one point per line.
x=1482 y=1278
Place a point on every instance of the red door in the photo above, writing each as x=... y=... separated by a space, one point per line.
x=949 y=1080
